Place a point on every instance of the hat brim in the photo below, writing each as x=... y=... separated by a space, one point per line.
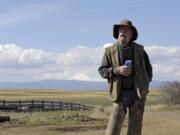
x=116 y=31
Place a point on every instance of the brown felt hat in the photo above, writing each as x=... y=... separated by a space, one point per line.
x=126 y=23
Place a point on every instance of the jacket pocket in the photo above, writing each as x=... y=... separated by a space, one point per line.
x=113 y=89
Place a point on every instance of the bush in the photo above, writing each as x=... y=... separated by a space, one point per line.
x=171 y=92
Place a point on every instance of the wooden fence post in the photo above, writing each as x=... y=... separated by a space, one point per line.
x=43 y=105
x=71 y=106
x=79 y=107
x=4 y=105
x=32 y=105
x=66 y=105
x=20 y=105
x=52 y=106
x=60 y=106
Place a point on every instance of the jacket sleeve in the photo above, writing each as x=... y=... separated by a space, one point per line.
x=148 y=66
x=106 y=70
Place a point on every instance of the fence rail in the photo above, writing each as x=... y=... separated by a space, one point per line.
x=37 y=105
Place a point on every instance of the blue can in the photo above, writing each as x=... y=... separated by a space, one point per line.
x=128 y=63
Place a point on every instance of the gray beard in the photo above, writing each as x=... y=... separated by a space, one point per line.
x=123 y=42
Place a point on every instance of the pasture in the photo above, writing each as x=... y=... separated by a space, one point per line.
x=159 y=119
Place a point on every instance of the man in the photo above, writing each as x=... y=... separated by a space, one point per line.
x=127 y=68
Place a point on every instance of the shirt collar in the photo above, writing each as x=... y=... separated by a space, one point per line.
x=122 y=45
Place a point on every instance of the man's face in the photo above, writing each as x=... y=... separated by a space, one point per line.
x=125 y=35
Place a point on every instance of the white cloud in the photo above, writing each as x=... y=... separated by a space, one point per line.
x=80 y=56
x=165 y=61
x=35 y=64
x=164 y=52
x=9 y=53
x=30 y=56
x=80 y=63
x=80 y=76
x=107 y=45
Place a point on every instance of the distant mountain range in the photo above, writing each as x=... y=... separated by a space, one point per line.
x=64 y=85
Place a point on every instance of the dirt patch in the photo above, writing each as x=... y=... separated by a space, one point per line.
x=80 y=128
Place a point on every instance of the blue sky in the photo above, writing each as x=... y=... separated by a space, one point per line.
x=38 y=34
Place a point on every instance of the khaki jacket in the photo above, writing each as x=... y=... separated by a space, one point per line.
x=111 y=60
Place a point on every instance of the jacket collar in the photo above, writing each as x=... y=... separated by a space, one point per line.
x=116 y=54
x=114 y=48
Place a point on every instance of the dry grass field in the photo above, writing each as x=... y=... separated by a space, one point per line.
x=159 y=119
x=84 y=97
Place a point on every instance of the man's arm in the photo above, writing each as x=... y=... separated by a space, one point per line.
x=106 y=70
x=148 y=66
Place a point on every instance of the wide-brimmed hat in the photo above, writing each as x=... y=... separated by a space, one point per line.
x=126 y=23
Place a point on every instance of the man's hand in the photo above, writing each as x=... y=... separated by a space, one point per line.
x=124 y=70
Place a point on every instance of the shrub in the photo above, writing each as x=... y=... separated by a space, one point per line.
x=171 y=92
